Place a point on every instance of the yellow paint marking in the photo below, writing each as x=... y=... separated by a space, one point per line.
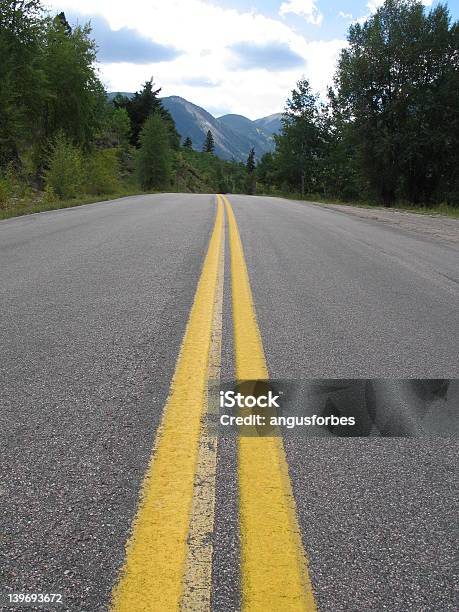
x=198 y=574
x=152 y=576
x=274 y=568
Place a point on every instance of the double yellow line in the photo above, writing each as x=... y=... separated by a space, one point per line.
x=169 y=555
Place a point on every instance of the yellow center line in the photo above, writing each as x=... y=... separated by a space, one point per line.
x=273 y=564
x=197 y=585
x=152 y=576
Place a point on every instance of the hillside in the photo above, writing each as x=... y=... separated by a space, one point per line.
x=194 y=121
x=234 y=135
x=271 y=124
x=250 y=133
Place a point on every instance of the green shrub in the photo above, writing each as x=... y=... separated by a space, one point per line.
x=49 y=196
x=65 y=170
x=13 y=186
x=127 y=157
x=5 y=193
x=102 y=172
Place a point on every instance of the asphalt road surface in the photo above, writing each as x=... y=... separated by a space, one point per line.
x=97 y=308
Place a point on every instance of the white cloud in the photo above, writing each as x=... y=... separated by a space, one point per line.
x=205 y=34
x=304 y=8
x=373 y=5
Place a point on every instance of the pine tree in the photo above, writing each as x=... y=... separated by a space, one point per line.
x=141 y=106
x=251 y=165
x=188 y=144
x=154 y=155
x=61 y=19
x=209 y=143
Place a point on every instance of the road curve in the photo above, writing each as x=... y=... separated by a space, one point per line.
x=95 y=302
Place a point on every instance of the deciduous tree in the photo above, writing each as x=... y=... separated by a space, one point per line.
x=395 y=85
x=154 y=155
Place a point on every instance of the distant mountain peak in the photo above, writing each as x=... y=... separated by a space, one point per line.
x=272 y=124
x=234 y=134
x=234 y=116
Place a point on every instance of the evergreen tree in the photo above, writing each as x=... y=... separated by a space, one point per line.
x=188 y=144
x=62 y=20
x=251 y=165
x=143 y=104
x=154 y=156
x=209 y=143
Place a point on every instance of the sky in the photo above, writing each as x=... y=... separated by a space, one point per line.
x=228 y=56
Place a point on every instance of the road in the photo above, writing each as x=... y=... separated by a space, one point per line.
x=104 y=305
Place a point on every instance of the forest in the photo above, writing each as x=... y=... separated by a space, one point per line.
x=389 y=131
x=387 y=134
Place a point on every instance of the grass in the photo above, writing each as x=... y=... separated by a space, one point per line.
x=19 y=207
x=443 y=210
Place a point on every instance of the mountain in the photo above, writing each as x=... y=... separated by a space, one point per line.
x=234 y=135
x=270 y=125
x=250 y=133
x=112 y=95
x=195 y=122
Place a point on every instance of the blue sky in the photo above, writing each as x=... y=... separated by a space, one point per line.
x=239 y=56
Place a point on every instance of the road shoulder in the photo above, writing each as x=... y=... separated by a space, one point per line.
x=437 y=226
